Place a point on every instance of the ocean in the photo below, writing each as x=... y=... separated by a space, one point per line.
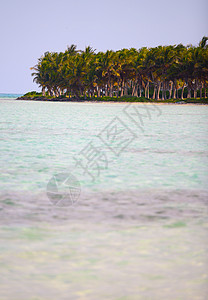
x=103 y=200
x=9 y=96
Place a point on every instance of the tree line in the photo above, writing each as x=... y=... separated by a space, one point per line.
x=157 y=73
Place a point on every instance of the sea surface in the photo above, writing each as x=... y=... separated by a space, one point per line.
x=136 y=226
x=9 y=96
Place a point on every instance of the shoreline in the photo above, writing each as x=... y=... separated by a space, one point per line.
x=175 y=102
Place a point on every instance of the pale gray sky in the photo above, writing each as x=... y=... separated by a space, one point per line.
x=31 y=27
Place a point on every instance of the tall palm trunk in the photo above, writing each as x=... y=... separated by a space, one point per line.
x=126 y=89
x=170 y=89
x=117 y=92
x=134 y=87
x=136 y=90
x=163 y=90
x=174 y=90
x=201 y=86
x=182 y=91
x=140 y=91
x=43 y=91
x=195 y=88
x=154 y=92
x=50 y=92
x=195 y=92
x=98 y=91
x=189 y=92
x=106 y=90
x=158 y=91
x=177 y=97
x=165 y=95
x=146 y=91
x=122 y=88
x=110 y=89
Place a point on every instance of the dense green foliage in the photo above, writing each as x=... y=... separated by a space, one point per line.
x=159 y=73
x=33 y=94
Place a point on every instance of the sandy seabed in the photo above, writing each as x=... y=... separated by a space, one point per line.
x=115 y=245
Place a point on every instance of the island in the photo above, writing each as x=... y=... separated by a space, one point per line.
x=162 y=74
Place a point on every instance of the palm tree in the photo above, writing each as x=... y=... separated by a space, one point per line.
x=125 y=72
x=202 y=43
x=106 y=67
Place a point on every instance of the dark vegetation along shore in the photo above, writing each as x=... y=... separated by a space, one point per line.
x=39 y=97
x=160 y=74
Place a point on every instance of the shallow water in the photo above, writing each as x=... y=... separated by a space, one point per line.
x=138 y=229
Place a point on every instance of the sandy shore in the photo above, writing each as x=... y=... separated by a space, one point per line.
x=113 y=102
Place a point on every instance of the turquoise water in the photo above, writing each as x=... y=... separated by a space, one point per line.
x=9 y=96
x=41 y=139
x=141 y=219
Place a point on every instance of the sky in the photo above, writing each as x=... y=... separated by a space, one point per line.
x=28 y=28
